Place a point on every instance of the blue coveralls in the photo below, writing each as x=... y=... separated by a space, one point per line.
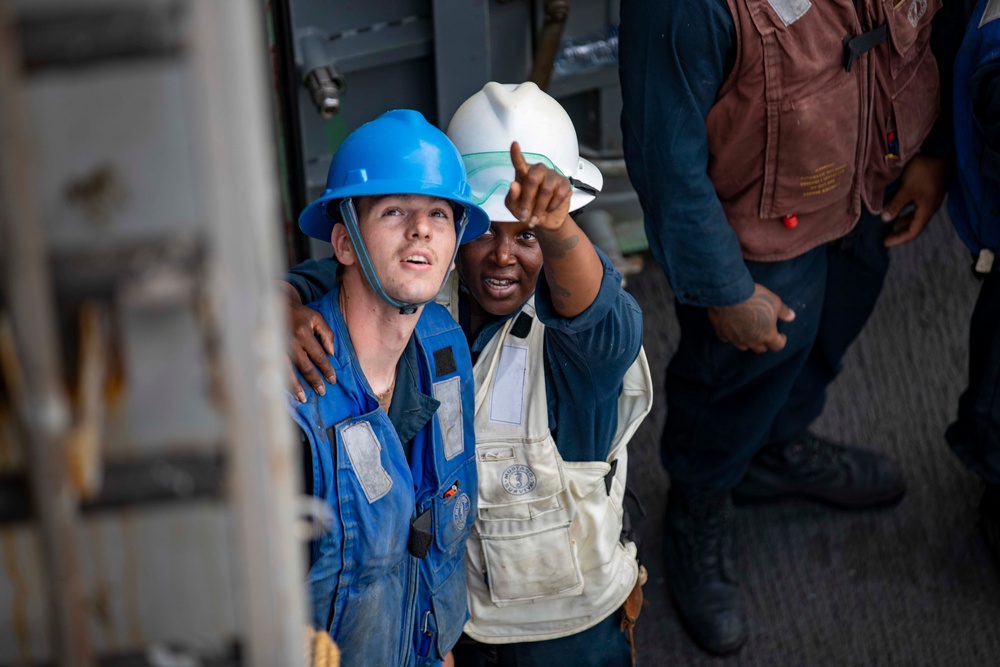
x=388 y=580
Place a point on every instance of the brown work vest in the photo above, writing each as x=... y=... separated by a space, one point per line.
x=793 y=133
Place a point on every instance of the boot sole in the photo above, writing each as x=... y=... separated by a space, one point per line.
x=720 y=651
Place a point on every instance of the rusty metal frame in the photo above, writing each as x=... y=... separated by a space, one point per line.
x=32 y=365
x=241 y=318
x=189 y=477
x=240 y=200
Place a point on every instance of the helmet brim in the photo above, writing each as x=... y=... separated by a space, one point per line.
x=315 y=222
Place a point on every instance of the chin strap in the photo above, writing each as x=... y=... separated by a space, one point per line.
x=350 y=217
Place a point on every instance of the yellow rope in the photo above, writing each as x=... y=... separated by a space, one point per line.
x=321 y=651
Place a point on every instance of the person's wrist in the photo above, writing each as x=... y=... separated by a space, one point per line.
x=556 y=237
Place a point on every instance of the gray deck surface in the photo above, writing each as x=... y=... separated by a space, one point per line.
x=911 y=585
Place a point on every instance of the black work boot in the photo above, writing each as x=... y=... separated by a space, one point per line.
x=808 y=467
x=989 y=519
x=700 y=572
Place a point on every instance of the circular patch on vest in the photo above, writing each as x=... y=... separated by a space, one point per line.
x=461 y=512
x=518 y=479
x=916 y=12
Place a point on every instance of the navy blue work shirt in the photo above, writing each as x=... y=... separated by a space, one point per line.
x=410 y=409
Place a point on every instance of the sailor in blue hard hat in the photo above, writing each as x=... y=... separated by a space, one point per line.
x=390 y=447
x=399 y=153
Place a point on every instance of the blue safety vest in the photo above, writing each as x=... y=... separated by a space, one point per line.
x=388 y=580
x=974 y=201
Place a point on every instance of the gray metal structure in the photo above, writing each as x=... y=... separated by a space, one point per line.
x=147 y=469
x=430 y=55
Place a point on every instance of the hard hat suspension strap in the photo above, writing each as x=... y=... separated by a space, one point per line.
x=349 y=215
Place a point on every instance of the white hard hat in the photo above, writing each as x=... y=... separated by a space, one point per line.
x=487 y=123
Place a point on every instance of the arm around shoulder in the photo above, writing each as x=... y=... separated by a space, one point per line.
x=313 y=278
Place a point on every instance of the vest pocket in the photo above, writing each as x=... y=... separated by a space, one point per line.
x=453 y=515
x=811 y=151
x=901 y=121
x=528 y=566
x=524 y=522
x=907 y=19
x=597 y=509
x=914 y=116
x=512 y=474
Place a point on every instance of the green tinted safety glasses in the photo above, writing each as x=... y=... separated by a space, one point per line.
x=488 y=172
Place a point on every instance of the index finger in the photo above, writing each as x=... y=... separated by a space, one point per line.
x=517 y=159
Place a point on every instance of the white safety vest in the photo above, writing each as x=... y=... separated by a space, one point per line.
x=545 y=558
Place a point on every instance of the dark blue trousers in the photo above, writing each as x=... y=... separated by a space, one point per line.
x=723 y=405
x=604 y=645
x=975 y=435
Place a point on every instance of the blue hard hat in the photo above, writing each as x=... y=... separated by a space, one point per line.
x=397 y=153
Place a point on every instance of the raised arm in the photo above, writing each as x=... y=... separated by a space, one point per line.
x=540 y=196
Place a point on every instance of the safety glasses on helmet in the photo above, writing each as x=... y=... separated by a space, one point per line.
x=491 y=171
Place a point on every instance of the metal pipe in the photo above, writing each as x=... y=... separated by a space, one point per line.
x=320 y=76
x=556 y=13
x=32 y=362
x=325 y=85
x=244 y=323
